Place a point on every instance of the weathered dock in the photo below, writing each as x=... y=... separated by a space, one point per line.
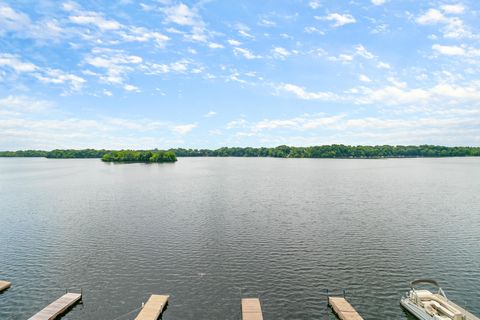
x=58 y=307
x=4 y=285
x=343 y=309
x=251 y=309
x=153 y=308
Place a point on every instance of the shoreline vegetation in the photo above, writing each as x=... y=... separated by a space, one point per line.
x=139 y=156
x=325 y=151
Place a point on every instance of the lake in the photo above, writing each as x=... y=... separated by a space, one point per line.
x=209 y=231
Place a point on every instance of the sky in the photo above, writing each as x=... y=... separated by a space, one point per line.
x=207 y=74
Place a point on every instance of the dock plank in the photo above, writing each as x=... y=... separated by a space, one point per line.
x=251 y=309
x=57 y=307
x=153 y=308
x=343 y=309
x=4 y=285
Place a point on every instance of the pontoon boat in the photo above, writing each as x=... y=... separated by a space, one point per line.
x=426 y=305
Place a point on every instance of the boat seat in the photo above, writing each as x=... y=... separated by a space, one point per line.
x=440 y=305
x=424 y=294
x=429 y=308
x=442 y=310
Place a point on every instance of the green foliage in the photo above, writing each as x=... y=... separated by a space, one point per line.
x=74 y=154
x=334 y=151
x=24 y=153
x=326 y=151
x=139 y=156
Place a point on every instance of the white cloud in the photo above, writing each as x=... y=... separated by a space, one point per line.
x=399 y=94
x=234 y=42
x=432 y=16
x=181 y=66
x=243 y=30
x=247 y=54
x=210 y=114
x=449 y=50
x=281 y=53
x=338 y=19
x=181 y=14
x=234 y=76
x=453 y=27
x=378 y=2
x=13 y=61
x=266 y=23
x=396 y=94
x=70 y=132
x=46 y=29
x=392 y=95
x=95 y=19
x=56 y=76
x=238 y=123
x=363 y=52
x=313 y=30
x=383 y=65
x=45 y=75
x=213 y=45
x=186 y=16
x=453 y=8
x=305 y=95
x=70 y=6
x=301 y=123
x=115 y=62
x=364 y=78
x=184 y=128
x=345 y=58
x=456 y=29
x=379 y=123
x=140 y=34
x=131 y=88
x=23 y=104
x=11 y=20
x=339 y=128
x=315 y=4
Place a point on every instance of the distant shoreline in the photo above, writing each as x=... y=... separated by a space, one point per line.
x=335 y=151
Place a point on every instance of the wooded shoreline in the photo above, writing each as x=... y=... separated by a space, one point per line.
x=325 y=151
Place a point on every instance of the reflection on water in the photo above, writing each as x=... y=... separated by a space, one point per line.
x=209 y=231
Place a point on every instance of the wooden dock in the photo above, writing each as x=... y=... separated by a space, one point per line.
x=58 y=307
x=343 y=309
x=251 y=309
x=4 y=285
x=153 y=308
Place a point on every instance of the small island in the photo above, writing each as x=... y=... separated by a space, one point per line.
x=139 y=156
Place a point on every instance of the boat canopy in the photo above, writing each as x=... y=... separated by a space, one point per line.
x=424 y=281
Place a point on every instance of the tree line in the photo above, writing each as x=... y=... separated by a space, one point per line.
x=56 y=154
x=334 y=151
x=325 y=151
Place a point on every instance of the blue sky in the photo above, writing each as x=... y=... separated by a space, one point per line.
x=146 y=74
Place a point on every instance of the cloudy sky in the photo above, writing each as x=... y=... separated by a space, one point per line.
x=165 y=73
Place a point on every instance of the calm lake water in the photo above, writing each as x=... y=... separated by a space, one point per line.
x=209 y=231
